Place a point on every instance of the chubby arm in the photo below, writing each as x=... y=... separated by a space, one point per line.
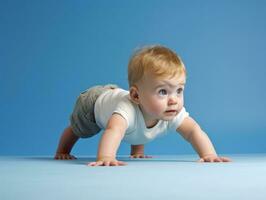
x=110 y=142
x=192 y=132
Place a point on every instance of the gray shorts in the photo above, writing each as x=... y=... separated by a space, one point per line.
x=82 y=120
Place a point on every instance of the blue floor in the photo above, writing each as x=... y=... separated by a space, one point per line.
x=162 y=178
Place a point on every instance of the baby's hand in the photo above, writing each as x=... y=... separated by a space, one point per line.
x=214 y=158
x=139 y=156
x=107 y=161
x=64 y=156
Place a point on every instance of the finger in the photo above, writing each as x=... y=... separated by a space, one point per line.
x=114 y=163
x=137 y=156
x=133 y=156
x=95 y=164
x=120 y=163
x=207 y=160
x=99 y=163
x=91 y=164
x=225 y=159
x=217 y=160
x=106 y=163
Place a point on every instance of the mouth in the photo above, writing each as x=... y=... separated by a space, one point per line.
x=171 y=111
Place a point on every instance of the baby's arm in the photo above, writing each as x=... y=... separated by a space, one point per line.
x=110 y=142
x=192 y=132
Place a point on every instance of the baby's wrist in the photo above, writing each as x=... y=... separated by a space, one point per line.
x=209 y=155
x=105 y=158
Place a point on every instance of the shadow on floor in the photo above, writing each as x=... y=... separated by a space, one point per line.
x=85 y=160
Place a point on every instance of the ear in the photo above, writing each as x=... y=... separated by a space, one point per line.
x=134 y=94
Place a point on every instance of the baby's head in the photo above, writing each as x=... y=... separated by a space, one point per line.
x=157 y=60
x=156 y=77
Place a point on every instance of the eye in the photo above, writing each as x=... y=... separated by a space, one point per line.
x=162 y=92
x=179 y=90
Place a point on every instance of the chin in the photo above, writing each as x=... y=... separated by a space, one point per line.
x=168 y=118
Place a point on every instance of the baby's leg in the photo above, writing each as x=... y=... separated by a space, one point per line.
x=67 y=141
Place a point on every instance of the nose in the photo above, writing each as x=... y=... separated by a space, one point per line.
x=172 y=100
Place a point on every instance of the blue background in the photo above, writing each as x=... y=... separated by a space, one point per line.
x=50 y=51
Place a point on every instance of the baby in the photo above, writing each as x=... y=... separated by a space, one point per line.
x=153 y=105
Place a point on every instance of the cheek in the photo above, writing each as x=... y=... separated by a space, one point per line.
x=180 y=104
x=155 y=105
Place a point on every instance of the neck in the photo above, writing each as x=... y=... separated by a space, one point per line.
x=149 y=121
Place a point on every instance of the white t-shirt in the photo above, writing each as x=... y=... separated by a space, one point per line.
x=118 y=101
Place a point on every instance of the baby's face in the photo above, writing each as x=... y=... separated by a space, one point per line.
x=161 y=98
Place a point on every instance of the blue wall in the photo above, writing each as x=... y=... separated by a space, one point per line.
x=52 y=50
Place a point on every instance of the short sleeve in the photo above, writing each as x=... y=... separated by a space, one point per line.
x=126 y=109
x=177 y=121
